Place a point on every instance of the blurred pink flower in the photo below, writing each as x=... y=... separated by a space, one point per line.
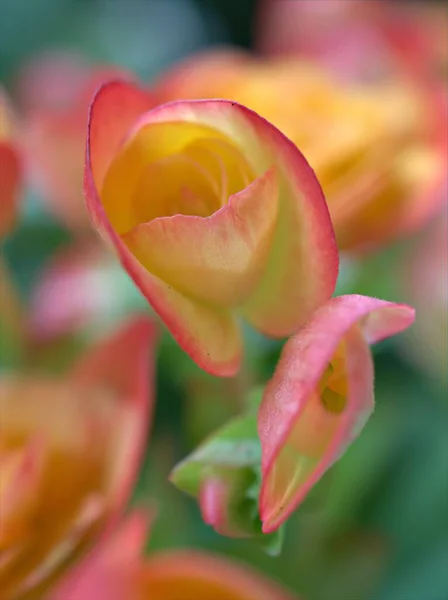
x=70 y=449
x=320 y=398
x=71 y=294
x=54 y=91
x=118 y=572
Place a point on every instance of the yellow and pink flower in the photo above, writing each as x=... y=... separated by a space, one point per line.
x=214 y=214
x=70 y=448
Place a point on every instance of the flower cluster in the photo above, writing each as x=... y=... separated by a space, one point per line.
x=226 y=190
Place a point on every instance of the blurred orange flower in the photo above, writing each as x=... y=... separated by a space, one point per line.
x=117 y=571
x=378 y=148
x=10 y=167
x=69 y=453
x=54 y=91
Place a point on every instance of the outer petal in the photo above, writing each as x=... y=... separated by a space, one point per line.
x=303 y=263
x=124 y=365
x=302 y=364
x=109 y=572
x=182 y=574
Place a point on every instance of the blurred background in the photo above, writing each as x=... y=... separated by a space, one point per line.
x=376 y=526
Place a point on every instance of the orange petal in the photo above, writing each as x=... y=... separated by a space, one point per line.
x=176 y=575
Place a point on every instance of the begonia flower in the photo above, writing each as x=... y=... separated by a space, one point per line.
x=319 y=398
x=379 y=148
x=214 y=214
x=117 y=571
x=70 y=448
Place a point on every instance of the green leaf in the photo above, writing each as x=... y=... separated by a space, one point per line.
x=231 y=459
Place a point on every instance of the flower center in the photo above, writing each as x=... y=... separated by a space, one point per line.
x=173 y=168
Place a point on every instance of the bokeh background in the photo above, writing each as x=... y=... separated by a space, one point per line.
x=376 y=526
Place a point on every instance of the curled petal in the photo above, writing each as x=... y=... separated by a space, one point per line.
x=202 y=576
x=320 y=397
x=218 y=258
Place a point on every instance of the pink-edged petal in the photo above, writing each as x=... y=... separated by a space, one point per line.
x=290 y=397
x=211 y=337
x=109 y=571
x=218 y=498
x=217 y=259
x=302 y=266
x=116 y=107
x=123 y=365
x=186 y=574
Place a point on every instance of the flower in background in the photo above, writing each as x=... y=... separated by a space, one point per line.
x=378 y=148
x=54 y=92
x=320 y=398
x=117 y=571
x=358 y=38
x=69 y=453
x=213 y=213
x=10 y=167
x=424 y=278
x=80 y=291
x=71 y=294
